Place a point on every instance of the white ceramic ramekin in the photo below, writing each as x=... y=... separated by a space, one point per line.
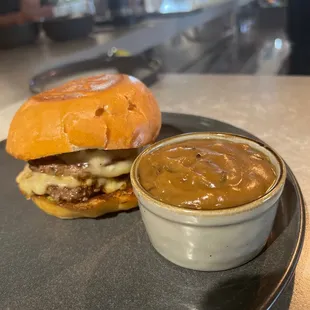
x=210 y=240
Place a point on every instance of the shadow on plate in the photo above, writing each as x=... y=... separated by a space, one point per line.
x=246 y=293
x=114 y=214
x=286 y=210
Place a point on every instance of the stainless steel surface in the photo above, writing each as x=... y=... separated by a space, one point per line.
x=228 y=41
x=181 y=53
x=172 y=6
x=197 y=48
x=114 y=10
x=143 y=66
x=153 y=34
x=109 y=9
x=126 y=7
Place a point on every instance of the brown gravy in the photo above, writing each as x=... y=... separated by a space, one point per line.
x=206 y=174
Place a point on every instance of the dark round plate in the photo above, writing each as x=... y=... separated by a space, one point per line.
x=47 y=263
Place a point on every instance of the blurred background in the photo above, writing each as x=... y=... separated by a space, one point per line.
x=43 y=43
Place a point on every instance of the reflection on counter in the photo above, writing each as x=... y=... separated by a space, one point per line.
x=245 y=42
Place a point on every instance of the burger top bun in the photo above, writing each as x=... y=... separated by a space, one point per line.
x=109 y=112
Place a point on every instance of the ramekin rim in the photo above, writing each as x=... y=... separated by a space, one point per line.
x=277 y=186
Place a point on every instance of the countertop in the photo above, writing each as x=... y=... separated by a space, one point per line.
x=276 y=109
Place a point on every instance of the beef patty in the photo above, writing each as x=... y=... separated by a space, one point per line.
x=77 y=194
x=55 y=166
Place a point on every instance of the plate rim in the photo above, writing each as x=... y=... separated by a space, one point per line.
x=290 y=271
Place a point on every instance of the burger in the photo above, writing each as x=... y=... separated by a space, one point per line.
x=79 y=141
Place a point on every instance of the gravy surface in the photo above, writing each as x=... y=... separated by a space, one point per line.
x=206 y=174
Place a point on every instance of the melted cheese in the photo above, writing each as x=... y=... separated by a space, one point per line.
x=102 y=163
x=110 y=171
x=113 y=185
x=37 y=183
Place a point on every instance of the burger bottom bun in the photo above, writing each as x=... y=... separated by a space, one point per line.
x=97 y=206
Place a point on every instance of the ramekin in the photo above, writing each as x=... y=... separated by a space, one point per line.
x=210 y=240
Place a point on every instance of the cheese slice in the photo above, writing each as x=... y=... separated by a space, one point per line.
x=96 y=168
x=113 y=185
x=100 y=163
x=37 y=183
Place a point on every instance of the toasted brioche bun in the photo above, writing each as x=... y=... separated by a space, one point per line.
x=119 y=201
x=110 y=111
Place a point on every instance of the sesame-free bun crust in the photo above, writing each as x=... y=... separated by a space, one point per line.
x=110 y=111
x=119 y=201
